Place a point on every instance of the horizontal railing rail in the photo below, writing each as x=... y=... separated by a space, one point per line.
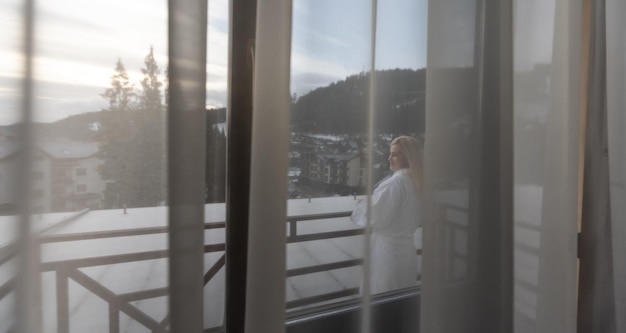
x=69 y=269
x=115 y=233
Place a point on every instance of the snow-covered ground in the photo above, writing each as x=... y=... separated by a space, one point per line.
x=89 y=312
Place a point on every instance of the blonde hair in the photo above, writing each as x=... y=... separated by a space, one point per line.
x=413 y=152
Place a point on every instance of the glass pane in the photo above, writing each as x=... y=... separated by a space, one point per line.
x=397 y=152
x=329 y=152
x=454 y=222
x=329 y=85
x=215 y=211
x=533 y=59
x=616 y=120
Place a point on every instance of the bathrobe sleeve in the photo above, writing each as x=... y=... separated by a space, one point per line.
x=386 y=202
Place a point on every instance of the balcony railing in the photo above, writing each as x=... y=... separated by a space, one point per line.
x=70 y=269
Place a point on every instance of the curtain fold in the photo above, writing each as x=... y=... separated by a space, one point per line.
x=502 y=158
x=616 y=120
x=28 y=296
x=556 y=279
x=467 y=267
x=596 y=309
x=445 y=302
x=186 y=156
x=546 y=125
x=265 y=299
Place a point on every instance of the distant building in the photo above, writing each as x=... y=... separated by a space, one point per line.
x=342 y=173
x=95 y=126
x=8 y=171
x=67 y=169
x=72 y=168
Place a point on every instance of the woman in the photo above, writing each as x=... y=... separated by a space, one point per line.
x=395 y=211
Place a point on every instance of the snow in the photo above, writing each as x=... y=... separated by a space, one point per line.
x=222 y=127
x=327 y=137
x=89 y=312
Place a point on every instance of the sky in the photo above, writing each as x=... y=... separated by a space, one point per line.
x=77 y=43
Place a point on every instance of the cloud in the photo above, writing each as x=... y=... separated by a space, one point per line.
x=216 y=98
x=323 y=38
x=55 y=100
x=73 y=22
x=51 y=100
x=534 y=32
x=305 y=63
x=401 y=34
x=78 y=43
x=9 y=107
x=302 y=83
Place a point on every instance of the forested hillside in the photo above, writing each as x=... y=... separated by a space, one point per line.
x=341 y=107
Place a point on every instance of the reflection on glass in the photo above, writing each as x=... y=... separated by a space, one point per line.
x=330 y=53
x=395 y=216
x=328 y=157
x=8 y=266
x=11 y=63
x=534 y=49
x=11 y=70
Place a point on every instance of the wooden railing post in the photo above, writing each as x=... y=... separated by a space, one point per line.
x=63 y=305
x=114 y=319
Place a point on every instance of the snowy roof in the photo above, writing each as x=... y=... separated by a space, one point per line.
x=339 y=157
x=294 y=172
x=68 y=149
x=55 y=149
x=8 y=148
x=326 y=137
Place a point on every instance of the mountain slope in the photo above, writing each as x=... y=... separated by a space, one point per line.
x=341 y=107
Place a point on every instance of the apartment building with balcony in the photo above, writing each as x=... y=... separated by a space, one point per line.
x=8 y=165
x=65 y=175
x=341 y=172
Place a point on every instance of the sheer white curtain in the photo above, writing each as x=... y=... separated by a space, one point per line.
x=460 y=274
x=56 y=273
x=468 y=224
x=550 y=76
x=547 y=108
x=616 y=124
x=507 y=97
x=265 y=299
x=187 y=53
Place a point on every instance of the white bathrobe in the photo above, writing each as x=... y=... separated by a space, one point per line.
x=394 y=219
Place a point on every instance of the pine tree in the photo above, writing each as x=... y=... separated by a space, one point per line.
x=121 y=93
x=134 y=157
x=166 y=91
x=134 y=148
x=215 y=169
x=151 y=99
